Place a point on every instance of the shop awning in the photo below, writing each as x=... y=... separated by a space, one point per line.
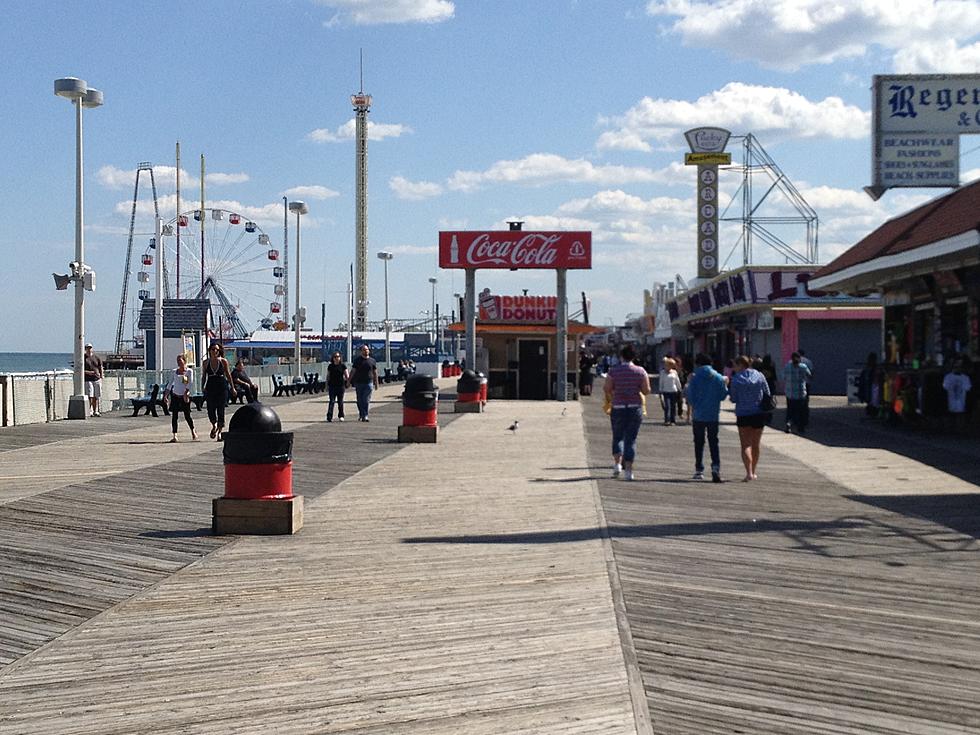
x=941 y=234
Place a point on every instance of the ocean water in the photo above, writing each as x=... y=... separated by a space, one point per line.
x=30 y=362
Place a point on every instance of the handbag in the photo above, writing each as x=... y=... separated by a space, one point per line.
x=768 y=403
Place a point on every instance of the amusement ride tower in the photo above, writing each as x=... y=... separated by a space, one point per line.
x=362 y=105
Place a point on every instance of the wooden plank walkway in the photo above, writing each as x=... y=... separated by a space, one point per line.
x=87 y=522
x=837 y=594
x=402 y=607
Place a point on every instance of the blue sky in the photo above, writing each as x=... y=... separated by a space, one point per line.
x=566 y=114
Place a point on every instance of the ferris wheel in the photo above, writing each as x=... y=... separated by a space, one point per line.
x=223 y=258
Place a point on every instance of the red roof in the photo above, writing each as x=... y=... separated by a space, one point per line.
x=953 y=214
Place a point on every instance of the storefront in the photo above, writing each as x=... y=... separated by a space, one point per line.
x=774 y=311
x=517 y=347
x=926 y=265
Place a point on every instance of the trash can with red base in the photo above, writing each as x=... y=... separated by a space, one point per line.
x=258 y=459
x=420 y=410
x=468 y=393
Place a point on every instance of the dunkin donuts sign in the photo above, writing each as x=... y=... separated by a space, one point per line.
x=513 y=249
x=495 y=308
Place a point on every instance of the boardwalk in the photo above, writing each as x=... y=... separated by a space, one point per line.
x=379 y=617
x=838 y=594
x=495 y=582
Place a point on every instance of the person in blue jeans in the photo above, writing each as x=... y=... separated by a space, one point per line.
x=625 y=385
x=706 y=389
x=364 y=378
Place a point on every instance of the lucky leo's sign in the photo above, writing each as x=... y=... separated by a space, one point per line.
x=515 y=249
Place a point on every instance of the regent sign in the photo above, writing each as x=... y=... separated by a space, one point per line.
x=514 y=249
x=917 y=121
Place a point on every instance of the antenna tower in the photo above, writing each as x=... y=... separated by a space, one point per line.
x=362 y=105
x=762 y=184
x=127 y=271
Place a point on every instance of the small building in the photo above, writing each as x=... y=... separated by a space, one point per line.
x=186 y=326
x=926 y=265
x=774 y=310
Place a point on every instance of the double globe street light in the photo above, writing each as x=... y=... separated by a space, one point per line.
x=81 y=95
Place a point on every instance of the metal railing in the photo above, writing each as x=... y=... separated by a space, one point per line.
x=35 y=398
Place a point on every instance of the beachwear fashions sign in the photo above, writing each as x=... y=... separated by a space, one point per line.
x=917 y=121
x=513 y=249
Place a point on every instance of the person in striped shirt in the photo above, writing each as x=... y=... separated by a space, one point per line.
x=625 y=385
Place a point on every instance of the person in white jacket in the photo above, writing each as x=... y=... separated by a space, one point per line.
x=670 y=390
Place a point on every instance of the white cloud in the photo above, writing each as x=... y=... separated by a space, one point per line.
x=619 y=202
x=347 y=131
x=939 y=55
x=112 y=177
x=413 y=249
x=772 y=111
x=546 y=168
x=313 y=191
x=788 y=34
x=376 y=12
x=413 y=190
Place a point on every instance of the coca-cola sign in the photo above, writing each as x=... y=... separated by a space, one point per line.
x=515 y=249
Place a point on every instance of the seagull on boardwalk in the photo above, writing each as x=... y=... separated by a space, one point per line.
x=514 y=426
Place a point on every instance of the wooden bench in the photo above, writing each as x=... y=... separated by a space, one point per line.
x=149 y=403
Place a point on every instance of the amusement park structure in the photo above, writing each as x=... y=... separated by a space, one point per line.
x=774 y=213
x=233 y=265
x=362 y=105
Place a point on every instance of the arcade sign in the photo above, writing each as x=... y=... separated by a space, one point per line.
x=515 y=249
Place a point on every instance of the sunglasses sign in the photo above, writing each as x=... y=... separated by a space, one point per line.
x=515 y=249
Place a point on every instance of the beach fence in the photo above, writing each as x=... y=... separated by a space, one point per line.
x=36 y=398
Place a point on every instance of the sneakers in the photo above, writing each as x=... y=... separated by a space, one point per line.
x=617 y=471
x=697 y=475
x=628 y=476
x=341 y=418
x=715 y=477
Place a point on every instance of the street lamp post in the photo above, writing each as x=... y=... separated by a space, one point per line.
x=81 y=95
x=435 y=324
x=386 y=256
x=299 y=208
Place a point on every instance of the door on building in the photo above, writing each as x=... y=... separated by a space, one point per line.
x=532 y=375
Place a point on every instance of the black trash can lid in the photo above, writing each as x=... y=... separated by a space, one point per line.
x=419 y=384
x=255 y=418
x=469 y=375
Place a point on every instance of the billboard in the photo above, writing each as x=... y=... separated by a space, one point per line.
x=515 y=249
x=916 y=123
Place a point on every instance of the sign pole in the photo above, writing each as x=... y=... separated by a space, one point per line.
x=561 y=336
x=470 y=318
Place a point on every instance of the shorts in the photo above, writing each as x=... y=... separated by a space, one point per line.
x=752 y=421
x=93 y=388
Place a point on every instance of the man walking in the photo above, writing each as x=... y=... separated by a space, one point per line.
x=796 y=377
x=94 y=372
x=364 y=378
x=706 y=389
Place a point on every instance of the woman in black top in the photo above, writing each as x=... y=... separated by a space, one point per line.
x=217 y=382
x=336 y=382
x=364 y=378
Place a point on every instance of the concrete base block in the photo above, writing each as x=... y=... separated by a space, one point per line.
x=469 y=407
x=258 y=517
x=418 y=434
